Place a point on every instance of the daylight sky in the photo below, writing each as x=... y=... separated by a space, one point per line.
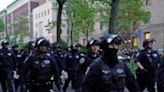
x=5 y=3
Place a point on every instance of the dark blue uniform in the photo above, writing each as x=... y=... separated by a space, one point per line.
x=8 y=65
x=104 y=78
x=18 y=67
x=40 y=70
x=149 y=60
x=73 y=62
x=160 y=77
x=89 y=59
x=60 y=59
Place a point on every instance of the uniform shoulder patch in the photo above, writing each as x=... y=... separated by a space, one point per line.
x=48 y=54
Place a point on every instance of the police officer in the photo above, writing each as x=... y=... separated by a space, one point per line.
x=73 y=62
x=30 y=49
x=160 y=76
x=59 y=56
x=107 y=74
x=18 y=65
x=41 y=67
x=93 y=52
x=27 y=51
x=147 y=62
x=8 y=60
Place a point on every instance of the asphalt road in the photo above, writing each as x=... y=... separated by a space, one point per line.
x=70 y=90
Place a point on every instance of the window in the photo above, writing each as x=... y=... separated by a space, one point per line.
x=42 y=14
x=147 y=35
x=45 y=13
x=148 y=2
x=48 y=11
x=39 y=15
x=40 y=28
x=36 y=16
x=134 y=42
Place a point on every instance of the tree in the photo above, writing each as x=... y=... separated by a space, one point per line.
x=2 y=26
x=59 y=18
x=82 y=18
x=122 y=13
x=21 y=29
x=113 y=15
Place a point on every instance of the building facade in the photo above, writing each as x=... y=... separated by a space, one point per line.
x=44 y=21
x=154 y=29
x=3 y=18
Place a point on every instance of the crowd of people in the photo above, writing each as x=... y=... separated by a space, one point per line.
x=41 y=65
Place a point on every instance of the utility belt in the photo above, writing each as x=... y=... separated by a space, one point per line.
x=34 y=83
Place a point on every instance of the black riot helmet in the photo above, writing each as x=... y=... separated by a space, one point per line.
x=110 y=39
x=110 y=54
x=75 y=46
x=31 y=45
x=42 y=42
x=56 y=45
x=146 y=42
x=4 y=42
x=92 y=42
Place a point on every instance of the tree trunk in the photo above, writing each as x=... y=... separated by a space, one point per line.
x=59 y=18
x=114 y=11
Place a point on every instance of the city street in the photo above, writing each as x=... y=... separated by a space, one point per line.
x=70 y=90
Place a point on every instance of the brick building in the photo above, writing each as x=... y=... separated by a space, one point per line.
x=155 y=27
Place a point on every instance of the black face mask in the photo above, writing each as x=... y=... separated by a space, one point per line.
x=110 y=55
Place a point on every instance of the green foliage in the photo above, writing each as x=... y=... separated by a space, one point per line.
x=21 y=26
x=129 y=11
x=132 y=66
x=84 y=13
x=21 y=30
x=83 y=49
x=63 y=44
x=82 y=17
x=2 y=26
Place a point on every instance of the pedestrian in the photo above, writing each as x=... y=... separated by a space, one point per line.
x=92 y=52
x=41 y=67
x=59 y=56
x=160 y=75
x=8 y=61
x=147 y=61
x=107 y=73
x=73 y=63
x=17 y=53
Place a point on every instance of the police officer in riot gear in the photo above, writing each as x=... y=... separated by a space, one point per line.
x=73 y=62
x=93 y=52
x=30 y=49
x=19 y=62
x=8 y=61
x=147 y=62
x=107 y=74
x=41 y=67
x=160 y=76
x=59 y=56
